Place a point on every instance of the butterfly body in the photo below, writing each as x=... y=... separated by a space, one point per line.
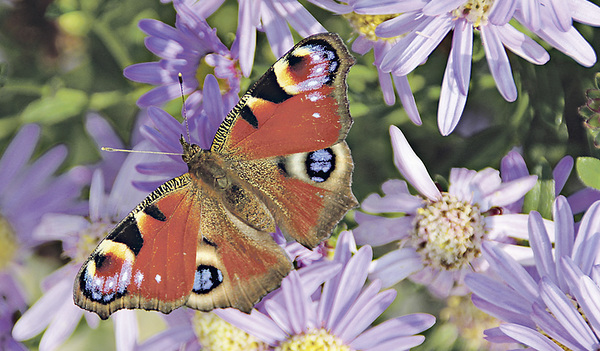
x=202 y=239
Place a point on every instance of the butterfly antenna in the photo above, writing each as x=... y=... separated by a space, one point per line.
x=187 y=128
x=110 y=149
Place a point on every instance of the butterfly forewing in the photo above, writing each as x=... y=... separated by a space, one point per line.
x=148 y=260
x=299 y=105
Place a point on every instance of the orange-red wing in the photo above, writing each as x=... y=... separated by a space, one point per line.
x=299 y=105
x=148 y=260
x=307 y=193
x=236 y=264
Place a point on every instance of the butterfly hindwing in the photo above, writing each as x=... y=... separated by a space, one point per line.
x=148 y=260
x=236 y=264
x=299 y=105
x=307 y=193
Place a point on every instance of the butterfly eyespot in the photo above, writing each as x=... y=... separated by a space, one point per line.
x=206 y=279
x=320 y=164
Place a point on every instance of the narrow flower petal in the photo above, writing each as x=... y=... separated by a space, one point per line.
x=333 y=6
x=404 y=203
x=346 y=328
x=510 y=192
x=583 y=254
x=401 y=326
x=585 y=12
x=502 y=12
x=277 y=30
x=411 y=166
x=385 y=7
x=511 y=272
x=367 y=314
x=564 y=233
x=581 y=200
x=407 y=98
x=590 y=302
x=561 y=173
x=351 y=281
x=126 y=329
x=542 y=247
x=18 y=153
x=529 y=337
x=377 y=231
x=500 y=295
x=246 y=33
x=452 y=101
x=422 y=41
x=530 y=11
x=546 y=321
x=37 y=318
x=568 y=316
x=522 y=45
x=255 y=323
x=561 y=13
x=434 y=8
x=296 y=302
x=298 y=17
x=462 y=50
x=498 y=63
x=62 y=325
x=571 y=43
x=395 y=266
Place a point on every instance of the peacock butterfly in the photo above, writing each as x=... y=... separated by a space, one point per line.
x=202 y=239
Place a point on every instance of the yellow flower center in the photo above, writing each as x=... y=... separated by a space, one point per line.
x=205 y=69
x=88 y=240
x=475 y=11
x=314 y=340
x=8 y=243
x=366 y=24
x=214 y=334
x=469 y=321
x=448 y=233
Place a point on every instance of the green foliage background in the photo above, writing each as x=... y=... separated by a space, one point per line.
x=60 y=60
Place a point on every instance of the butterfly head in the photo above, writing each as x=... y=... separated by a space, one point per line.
x=189 y=150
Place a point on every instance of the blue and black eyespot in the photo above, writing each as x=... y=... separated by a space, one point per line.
x=320 y=164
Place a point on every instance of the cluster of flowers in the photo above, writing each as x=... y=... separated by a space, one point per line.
x=469 y=239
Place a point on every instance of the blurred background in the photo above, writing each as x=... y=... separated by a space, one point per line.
x=60 y=60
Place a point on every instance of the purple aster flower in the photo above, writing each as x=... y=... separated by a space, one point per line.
x=24 y=187
x=552 y=307
x=194 y=328
x=79 y=235
x=553 y=22
x=425 y=23
x=364 y=25
x=441 y=233
x=191 y=48
x=336 y=316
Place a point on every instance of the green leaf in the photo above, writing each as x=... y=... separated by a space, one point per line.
x=64 y=104
x=588 y=170
x=540 y=198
